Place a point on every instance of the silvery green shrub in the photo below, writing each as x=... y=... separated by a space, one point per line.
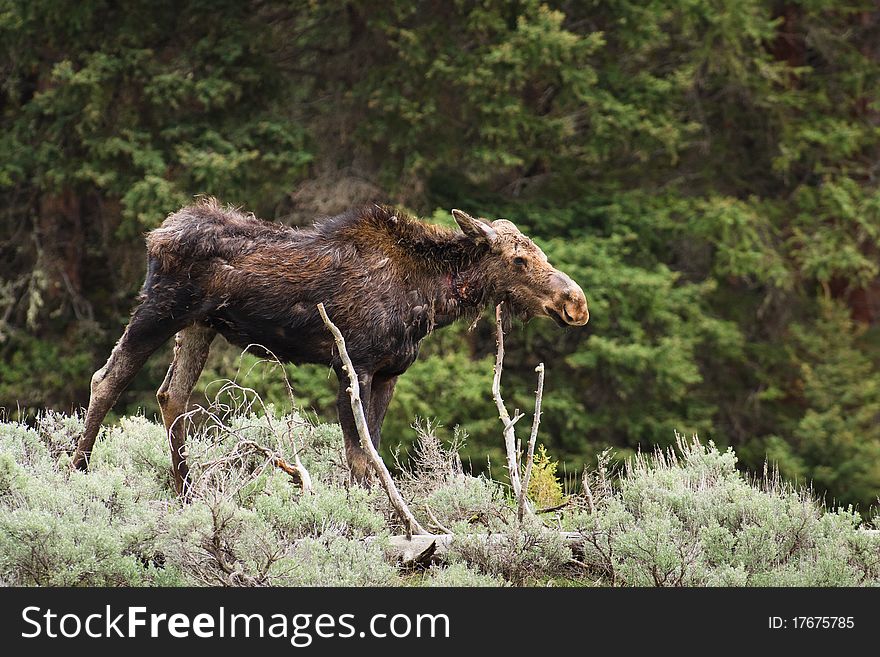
x=63 y=528
x=336 y=561
x=695 y=520
x=686 y=519
x=521 y=554
x=460 y=575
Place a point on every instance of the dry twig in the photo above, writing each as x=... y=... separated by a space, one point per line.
x=409 y=520
x=503 y=415
x=520 y=487
x=530 y=456
x=297 y=471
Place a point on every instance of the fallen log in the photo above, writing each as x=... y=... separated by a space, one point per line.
x=421 y=550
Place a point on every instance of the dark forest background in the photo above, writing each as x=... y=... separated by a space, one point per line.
x=707 y=170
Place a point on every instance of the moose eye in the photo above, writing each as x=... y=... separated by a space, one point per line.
x=519 y=262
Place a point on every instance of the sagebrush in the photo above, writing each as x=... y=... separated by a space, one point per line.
x=688 y=518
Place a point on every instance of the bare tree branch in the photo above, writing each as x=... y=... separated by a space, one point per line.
x=530 y=455
x=409 y=520
x=297 y=471
x=504 y=416
x=436 y=522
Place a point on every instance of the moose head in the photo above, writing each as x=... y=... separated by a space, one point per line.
x=522 y=276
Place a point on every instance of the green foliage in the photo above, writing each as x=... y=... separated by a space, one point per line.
x=441 y=494
x=37 y=371
x=338 y=562
x=331 y=511
x=63 y=528
x=545 y=489
x=837 y=440
x=122 y=525
x=521 y=554
x=128 y=118
x=435 y=102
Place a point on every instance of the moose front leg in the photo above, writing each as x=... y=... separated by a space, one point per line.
x=355 y=456
x=380 y=397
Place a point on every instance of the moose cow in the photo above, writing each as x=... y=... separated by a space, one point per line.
x=386 y=280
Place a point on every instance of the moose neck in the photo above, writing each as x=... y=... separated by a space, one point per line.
x=441 y=269
x=451 y=277
x=461 y=294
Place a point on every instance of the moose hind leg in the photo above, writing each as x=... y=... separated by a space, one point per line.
x=145 y=333
x=190 y=353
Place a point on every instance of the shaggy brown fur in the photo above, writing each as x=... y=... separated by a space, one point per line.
x=386 y=279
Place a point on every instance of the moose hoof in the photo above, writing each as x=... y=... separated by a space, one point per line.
x=364 y=479
x=80 y=462
x=359 y=468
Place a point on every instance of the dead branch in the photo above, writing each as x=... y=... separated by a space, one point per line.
x=530 y=456
x=551 y=509
x=436 y=522
x=297 y=471
x=503 y=415
x=514 y=456
x=409 y=520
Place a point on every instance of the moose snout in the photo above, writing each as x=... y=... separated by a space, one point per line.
x=570 y=303
x=575 y=310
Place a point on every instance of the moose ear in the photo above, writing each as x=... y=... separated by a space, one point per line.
x=474 y=228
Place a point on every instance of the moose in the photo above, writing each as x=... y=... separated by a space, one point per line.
x=386 y=279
